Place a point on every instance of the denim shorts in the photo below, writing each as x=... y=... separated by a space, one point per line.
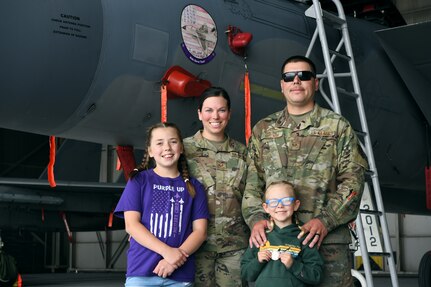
x=139 y=281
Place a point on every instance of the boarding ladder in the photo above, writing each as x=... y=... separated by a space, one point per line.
x=338 y=22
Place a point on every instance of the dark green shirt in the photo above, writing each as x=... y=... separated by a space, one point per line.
x=306 y=268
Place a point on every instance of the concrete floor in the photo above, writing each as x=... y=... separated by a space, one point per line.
x=84 y=279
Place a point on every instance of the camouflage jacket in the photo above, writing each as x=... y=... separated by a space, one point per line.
x=320 y=156
x=223 y=172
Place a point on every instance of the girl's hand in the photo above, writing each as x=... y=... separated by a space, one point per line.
x=175 y=256
x=163 y=269
x=287 y=259
x=263 y=256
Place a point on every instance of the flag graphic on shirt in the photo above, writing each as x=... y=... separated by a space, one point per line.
x=166 y=213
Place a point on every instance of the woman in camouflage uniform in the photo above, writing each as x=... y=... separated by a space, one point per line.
x=219 y=163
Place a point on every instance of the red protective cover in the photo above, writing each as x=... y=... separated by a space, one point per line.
x=127 y=159
x=181 y=82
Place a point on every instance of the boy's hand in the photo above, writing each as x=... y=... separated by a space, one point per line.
x=263 y=256
x=287 y=259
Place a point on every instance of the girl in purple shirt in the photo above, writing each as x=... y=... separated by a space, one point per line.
x=165 y=213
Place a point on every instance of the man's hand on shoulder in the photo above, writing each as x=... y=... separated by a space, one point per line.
x=258 y=234
x=315 y=231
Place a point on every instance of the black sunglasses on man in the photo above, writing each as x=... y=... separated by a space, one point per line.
x=302 y=75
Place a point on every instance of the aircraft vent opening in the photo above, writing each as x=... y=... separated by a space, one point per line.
x=182 y=83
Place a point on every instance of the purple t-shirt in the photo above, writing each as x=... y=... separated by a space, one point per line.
x=167 y=211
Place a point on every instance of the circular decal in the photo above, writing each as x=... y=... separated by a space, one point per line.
x=199 y=34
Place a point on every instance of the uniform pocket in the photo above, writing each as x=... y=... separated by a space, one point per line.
x=198 y=168
x=236 y=167
x=274 y=159
x=319 y=151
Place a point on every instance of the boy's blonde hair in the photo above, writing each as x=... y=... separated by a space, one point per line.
x=283 y=182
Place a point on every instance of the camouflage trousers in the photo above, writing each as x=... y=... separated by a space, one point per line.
x=218 y=269
x=338 y=265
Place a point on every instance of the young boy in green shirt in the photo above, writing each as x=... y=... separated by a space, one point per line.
x=283 y=260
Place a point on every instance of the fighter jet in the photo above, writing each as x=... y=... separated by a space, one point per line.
x=90 y=74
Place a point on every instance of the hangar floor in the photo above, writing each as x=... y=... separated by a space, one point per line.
x=111 y=279
x=83 y=279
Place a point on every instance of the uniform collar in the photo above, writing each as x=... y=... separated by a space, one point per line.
x=285 y=121
x=203 y=143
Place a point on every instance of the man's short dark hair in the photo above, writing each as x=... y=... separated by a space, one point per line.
x=299 y=58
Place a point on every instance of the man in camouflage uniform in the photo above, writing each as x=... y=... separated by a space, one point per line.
x=219 y=163
x=316 y=150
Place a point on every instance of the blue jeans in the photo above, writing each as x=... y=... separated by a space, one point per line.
x=140 y=281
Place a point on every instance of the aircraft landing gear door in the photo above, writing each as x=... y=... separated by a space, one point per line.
x=199 y=34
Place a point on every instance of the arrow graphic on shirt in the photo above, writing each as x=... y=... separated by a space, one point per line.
x=181 y=212
x=172 y=216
